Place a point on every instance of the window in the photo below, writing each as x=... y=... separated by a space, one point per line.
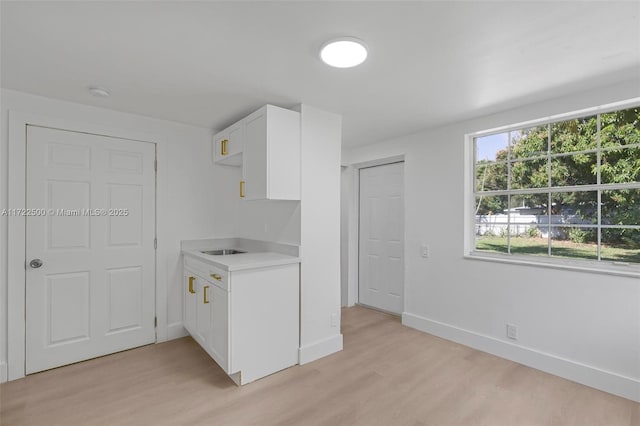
x=567 y=188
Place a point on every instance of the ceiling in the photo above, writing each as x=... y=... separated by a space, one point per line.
x=211 y=63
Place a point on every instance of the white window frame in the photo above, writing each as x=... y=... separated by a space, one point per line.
x=598 y=266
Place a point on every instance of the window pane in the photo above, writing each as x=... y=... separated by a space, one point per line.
x=621 y=245
x=574 y=242
x=580 y=207
x=492 y=147
x=531 y=142
x=491 y=176
x=578 y=169
x=492 y=205
x=528 y=224
x=529 y=174
x=491 y=223
x=621 y=207
x=620 y=127
x=620 y=165
x=579 y=134
x=490 y=217
x=529 y=216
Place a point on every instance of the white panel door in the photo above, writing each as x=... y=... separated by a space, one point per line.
x=381 y=246
x=92 y=227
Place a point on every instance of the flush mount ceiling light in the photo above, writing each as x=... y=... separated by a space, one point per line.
x=343 y=52
x=99 y=92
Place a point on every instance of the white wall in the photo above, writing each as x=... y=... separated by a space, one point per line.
x=320 y=234
x=186 y=170
x=583 y=326
x=270 y=220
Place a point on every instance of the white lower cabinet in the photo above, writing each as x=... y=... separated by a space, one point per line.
x=248 y=320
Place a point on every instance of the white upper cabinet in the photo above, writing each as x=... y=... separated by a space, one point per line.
x=228 y=145
x=271 y=158
x=267 y=146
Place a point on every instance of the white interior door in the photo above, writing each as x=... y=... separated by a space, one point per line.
x=92 y=226
x=381 y=246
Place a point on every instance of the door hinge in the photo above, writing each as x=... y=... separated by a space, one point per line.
x=155 y=321
x=155 y=243
x=155 y=165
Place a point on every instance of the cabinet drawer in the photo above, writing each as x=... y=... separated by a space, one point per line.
x=218 y=277
x=197 y=266
x=209 y=272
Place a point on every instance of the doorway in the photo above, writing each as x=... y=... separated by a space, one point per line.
x=381 y=237
x=90 y=246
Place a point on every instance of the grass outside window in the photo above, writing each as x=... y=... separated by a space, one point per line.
x=537 y=246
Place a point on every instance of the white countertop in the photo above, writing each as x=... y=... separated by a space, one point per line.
x=241 y=261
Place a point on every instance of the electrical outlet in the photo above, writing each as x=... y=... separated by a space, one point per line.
x=512 y=332
x=424 y=250
x=334 y=320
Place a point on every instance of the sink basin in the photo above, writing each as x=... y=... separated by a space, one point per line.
x=222 y=252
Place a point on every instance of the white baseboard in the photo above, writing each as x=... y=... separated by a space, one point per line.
x=606 y=381
x=320 y=349
x=176 y=331
x=3 y=372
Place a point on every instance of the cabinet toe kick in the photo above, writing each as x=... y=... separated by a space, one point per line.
x=237 y=378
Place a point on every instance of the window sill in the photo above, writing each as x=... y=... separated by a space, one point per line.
x=604 y=267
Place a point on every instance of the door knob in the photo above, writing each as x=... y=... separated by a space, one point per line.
x=35 y=263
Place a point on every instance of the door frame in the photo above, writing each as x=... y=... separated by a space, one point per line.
x=16 y=244
x=353 y=281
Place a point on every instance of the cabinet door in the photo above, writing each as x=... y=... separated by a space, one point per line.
x=189 y=305
x=228 y=144
x=219 y=337
x=236 y=139
x=218 y=145
x=203 y=312
x=255 y=156
x=271 y=155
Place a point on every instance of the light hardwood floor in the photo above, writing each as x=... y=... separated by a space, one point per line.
x=387 y=375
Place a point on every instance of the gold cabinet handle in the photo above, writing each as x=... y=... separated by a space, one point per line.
x=191 y=280
x=216 y=277
x=223 y=147
x=204 y=293
x=241 y=189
